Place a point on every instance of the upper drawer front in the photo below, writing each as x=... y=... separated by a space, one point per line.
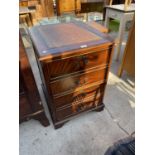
x=74 y=64
x=72 y=83
x=77 y=108
x=72 y=98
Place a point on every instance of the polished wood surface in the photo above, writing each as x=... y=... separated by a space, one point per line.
x=67 y=99
x=29 y=99
x=76 y=108
x=86 y=61
x=73 y=82
x=74 y=79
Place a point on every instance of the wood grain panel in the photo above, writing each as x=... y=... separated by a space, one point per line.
x=69 y=99
x=75 y=64
x=78 y=80
x=76 y=108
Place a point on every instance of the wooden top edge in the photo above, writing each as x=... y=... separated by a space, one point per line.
x=78 y=52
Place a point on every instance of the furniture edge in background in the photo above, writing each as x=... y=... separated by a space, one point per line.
x=29 y=98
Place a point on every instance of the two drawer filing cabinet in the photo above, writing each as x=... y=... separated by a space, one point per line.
x=74 y=61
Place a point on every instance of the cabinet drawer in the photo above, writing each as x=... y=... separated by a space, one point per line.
x=75 y=64
x=71 y=83
x=76 y=108
x=79 y=96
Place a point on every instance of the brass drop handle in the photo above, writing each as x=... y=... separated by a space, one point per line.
x=77 y=82
x=85 y=59
x=82 y=93
x=78 y=65
x=81 y=107
x=81 y=82
x=79 y=97
x=78 y=109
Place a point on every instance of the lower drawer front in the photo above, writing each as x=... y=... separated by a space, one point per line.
x=76 y=108
x=74 y=82
x=69 y=99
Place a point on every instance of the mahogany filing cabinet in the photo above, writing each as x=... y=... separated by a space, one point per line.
x=74 y=61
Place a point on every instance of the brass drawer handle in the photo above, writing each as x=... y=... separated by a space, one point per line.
x=83 y=94
x=79 y=97
x=79 y=64
x=81 y=82
x=85 y=59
